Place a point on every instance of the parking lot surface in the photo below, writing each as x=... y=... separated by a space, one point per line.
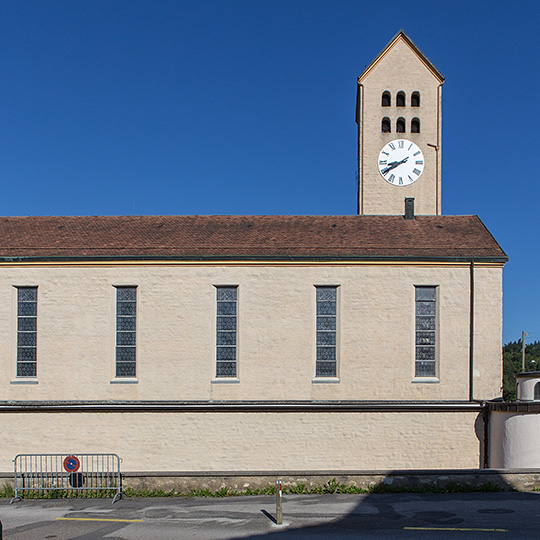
x=391 y=516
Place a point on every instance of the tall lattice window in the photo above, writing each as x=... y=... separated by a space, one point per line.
x=426 y=331
x=26 y=331
x=326 y=362
x=226 y=324
x=126 y=327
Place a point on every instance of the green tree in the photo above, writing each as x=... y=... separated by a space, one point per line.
x=512 y=365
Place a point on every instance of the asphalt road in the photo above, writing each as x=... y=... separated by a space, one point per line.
x=507 y=516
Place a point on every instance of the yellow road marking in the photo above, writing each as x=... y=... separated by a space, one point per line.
x=99 y=519
x=452 y=529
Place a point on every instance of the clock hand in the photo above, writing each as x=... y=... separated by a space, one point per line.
x=391 y=166
x=394 y=164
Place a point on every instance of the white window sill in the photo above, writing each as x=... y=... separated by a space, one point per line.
x=124 y=380
x=225 y=380
x=325 y=380
x=24 y=380
x=428 y=380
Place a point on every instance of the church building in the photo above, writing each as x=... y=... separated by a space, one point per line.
x=251 y=343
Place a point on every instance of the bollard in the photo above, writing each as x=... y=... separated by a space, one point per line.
x=279 y=503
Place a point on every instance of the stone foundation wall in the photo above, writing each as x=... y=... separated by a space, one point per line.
x=241 y=481
x=505 y=479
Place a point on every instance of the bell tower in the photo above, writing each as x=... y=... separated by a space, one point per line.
x=398 y=112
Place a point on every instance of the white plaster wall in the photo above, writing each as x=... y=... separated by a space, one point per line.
x=514 y=440
x=276 y=343
x=250 y=441
x=525 y=387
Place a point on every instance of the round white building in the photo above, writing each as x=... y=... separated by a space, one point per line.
x=514 y=428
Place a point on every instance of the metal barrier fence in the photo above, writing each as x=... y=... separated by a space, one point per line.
x=59 y=475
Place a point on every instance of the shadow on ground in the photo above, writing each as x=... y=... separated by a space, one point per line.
x=409 y=514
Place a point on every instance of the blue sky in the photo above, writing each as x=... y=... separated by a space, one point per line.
x=247 y=107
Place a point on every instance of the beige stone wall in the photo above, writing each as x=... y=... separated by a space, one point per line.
x=276 y=335
x=399 y=70
x=250 y=441
x=488 y=334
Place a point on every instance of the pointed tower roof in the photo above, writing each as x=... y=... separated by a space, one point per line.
x=402 y=36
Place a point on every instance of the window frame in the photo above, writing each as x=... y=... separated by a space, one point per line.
x=432 y=376
x=222 y=331
x=319 y=332
x=19 y=333
x=117 y=376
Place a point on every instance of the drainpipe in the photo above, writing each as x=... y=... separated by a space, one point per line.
x=484 y=404
x=485 y=418
x=360 y=150
x=438 y=152
x=471 y=334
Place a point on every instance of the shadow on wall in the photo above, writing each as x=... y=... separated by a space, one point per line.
x=481 y=427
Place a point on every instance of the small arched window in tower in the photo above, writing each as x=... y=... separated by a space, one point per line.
x=385 y=125
x=537 y=391
x=400 y=125
x=415 y=99
x=400 y=99
x=415 y=125
x=386 y=99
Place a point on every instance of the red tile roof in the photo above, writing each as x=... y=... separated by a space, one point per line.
x=247 y=238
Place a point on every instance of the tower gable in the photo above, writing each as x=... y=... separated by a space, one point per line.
x=401 y=38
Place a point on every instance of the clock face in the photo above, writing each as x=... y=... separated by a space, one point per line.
x=401 y=162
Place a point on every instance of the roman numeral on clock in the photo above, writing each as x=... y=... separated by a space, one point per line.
x=416 y=171
x=400 y=144
x=392 y=146
x=391 y=178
